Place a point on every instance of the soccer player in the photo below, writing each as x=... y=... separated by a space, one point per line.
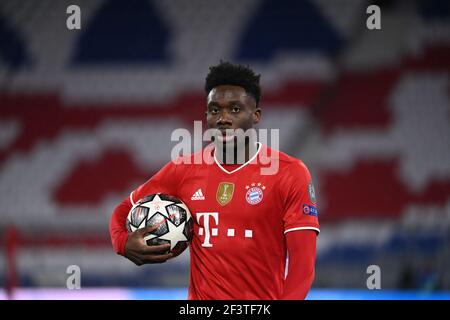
x=247 y=222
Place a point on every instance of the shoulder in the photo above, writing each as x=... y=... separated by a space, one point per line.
x=286 y=161
x=205 y=155
x=289 y=167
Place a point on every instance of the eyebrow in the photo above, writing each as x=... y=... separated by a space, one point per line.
x=229 y=102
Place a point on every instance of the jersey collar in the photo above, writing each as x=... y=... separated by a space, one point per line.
x=243 y=165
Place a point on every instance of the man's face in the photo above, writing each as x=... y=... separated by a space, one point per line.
x=230 y=108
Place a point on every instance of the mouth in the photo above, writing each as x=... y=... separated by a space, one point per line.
x=225 y=135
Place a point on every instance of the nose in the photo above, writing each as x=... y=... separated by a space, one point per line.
x=224 y=119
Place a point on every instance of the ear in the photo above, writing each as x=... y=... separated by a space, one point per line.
x=256 y=115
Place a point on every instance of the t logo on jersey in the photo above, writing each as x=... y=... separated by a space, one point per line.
x=225 y=192
x=207 y=230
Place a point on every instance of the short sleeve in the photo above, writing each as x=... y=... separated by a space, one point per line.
x=164 y=181
x=300 y=210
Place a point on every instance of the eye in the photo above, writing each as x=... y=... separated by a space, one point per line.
x=214 y=110
x=235 y=109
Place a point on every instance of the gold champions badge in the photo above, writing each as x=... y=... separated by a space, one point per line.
x=225 y=192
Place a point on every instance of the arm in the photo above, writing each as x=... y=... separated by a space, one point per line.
x=301 y=226
x=301 y=246
x=117 y=228
x=132 y=245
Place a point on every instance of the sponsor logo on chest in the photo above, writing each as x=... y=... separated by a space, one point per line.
x=209 y=228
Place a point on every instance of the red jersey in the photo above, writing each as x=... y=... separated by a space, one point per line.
x=241 y=218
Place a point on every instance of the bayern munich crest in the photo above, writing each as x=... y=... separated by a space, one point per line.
x=254 y=193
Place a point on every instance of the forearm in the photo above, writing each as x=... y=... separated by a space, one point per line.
x=117 y=226
x=301 y=269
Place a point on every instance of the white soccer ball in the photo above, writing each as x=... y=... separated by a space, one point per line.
x=171 y=218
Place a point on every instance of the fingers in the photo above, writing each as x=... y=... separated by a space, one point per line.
x=140 y=253
x=137 y=261
x=144 y=259
x=149 y=254
x=156 y=249
x=148 y=229
x=159 y=259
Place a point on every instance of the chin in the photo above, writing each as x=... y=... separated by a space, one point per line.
x=226 y=139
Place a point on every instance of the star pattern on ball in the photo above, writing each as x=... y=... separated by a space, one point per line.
x=140 y=226
x=175 y=234
x=157 y=205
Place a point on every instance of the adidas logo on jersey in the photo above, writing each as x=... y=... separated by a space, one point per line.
x=198 y=195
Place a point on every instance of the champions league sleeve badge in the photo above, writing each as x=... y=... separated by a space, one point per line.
x=310 y=210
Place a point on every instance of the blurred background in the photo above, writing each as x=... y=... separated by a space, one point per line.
x=87 y=115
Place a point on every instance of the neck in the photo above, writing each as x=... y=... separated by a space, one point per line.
x=237 y=154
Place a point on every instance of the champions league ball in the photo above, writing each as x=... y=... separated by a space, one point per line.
x=169 y=215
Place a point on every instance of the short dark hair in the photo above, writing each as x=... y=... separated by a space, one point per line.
x=226 y=73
